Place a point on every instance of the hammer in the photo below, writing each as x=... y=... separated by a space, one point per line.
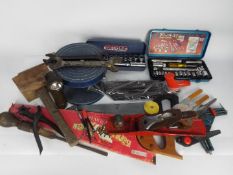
x=32 y=84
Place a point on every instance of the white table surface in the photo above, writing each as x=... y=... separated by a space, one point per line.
x=29 y=29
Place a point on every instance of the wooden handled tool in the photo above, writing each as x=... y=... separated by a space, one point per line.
x=168 y=149
x=32 y=85
x=55 y=62
x=192 y=96
x=201 y=100
x=9 y=120
x=52 y=108
x=188 y=103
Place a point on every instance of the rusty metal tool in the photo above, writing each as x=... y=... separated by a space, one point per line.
x=32 y=84
x=36 y=118
x=55 y=62
x=9 y=120
x=165 y=119
x=53 y=110
x=86 y=124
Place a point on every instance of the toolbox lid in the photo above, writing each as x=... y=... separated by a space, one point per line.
x=166 y=43
x=119 y=46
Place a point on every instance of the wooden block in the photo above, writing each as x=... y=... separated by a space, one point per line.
x=31 y=80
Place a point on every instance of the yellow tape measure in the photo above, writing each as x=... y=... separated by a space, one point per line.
x=151 y=107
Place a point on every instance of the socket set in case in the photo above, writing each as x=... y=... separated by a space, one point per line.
x=132 y=52
x=134 y=62
x=178 y=51
x=183 y=69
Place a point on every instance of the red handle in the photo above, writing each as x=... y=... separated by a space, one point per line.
x=175 y=84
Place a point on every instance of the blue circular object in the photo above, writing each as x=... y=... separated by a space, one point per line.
x=81 y=96
x=80 y=77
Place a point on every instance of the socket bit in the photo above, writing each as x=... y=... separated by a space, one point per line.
x=158 y=64
x=179 y=69
x=205 y=73
x=194 y=62
x=166 y=61
x=198 y=73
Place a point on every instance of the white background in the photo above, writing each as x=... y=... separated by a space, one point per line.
x=29 y=29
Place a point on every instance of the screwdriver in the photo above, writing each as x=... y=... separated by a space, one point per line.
x=180 y=65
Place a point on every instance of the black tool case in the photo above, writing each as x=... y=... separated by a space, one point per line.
x=178 y=51
x=131 y=51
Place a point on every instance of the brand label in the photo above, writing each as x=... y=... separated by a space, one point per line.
x=116 y=48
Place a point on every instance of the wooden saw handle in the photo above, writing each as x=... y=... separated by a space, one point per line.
x=149 y=144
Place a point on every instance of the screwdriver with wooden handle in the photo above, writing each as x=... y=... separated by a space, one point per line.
x=181 y=65
x=192 y=96
x=188 y=104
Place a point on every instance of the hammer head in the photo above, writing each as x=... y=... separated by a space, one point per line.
x=31 y=80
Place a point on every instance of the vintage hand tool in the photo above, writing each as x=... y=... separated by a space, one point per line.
x=24 y=111
x=168 y=123
x=188 y=104
x=36 y=118
x=165 y=119
x=9 y=120
x=149 y=143
x=189 y=141
x=134 y=90
x=208 y=119
x=32 y=84
x=55 y=62
x=86 y=124
x=130 y=108
x=120 y=108
x=204 y=141
x=192 y=96
x=168 y=149
x=202 y=108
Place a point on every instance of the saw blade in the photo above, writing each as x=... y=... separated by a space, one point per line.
x=121 y=108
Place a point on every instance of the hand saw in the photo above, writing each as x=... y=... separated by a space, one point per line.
x=120 y=108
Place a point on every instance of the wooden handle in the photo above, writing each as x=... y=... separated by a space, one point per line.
x=195 y=94
x=52 y=108
x=201 y=100
x=149 y=144
x=9 y=120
